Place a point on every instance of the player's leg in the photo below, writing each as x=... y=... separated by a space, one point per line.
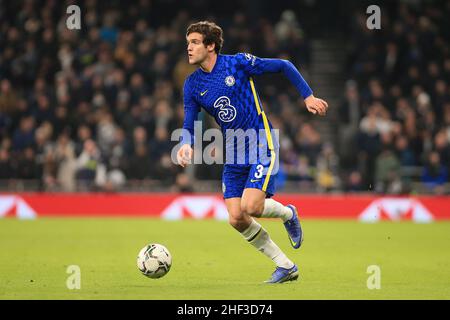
x=258 y=205
x=265 y=208
x=252 y=202
x=262 y=173
x=289 y=215
x=233 y=183
x=255 y=234
x=236 y=218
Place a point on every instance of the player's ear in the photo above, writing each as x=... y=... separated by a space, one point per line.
x=211 y=47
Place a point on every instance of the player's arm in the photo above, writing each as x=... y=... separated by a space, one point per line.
x=191 y=110
x=253 y=65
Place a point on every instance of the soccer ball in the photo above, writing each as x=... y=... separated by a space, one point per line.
x=154 y=261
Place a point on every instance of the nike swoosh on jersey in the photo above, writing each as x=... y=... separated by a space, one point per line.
x=203 y=93
x=251 y=180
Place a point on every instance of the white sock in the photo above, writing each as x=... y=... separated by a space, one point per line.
x=274 y=209
x=258 y=237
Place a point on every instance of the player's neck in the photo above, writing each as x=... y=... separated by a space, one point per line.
x=208 y=64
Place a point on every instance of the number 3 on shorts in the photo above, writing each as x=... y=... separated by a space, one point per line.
x=259 y=171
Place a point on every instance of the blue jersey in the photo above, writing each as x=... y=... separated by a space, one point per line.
x=228 y=92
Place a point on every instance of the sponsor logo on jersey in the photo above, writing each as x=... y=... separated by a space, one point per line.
x=227 y=112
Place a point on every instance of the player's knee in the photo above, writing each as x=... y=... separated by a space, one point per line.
x=238 y=222
x=252 y=208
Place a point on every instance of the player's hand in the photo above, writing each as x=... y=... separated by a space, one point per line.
x=184 y=155
x=316 y=105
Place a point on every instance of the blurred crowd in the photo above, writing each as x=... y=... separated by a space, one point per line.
x=396 y=110
x=94 y=109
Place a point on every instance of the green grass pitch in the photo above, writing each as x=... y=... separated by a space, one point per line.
x=212 y=261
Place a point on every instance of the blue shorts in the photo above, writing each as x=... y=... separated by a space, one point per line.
x=236 y=178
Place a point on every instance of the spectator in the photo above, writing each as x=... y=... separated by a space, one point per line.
x=27 y=167
x=183 y=184
x=84 y=133
x=66 y=163
x=106 y=131
x=354 y=182
x=442 y=146
x=24 y=135
x=387 y=172
x=6 y=169
x=349 y=116
x=160 y=144
x=43 y=111
x=8 y=98
x=327 y=169
x=89 y=167
x=435 y=175
x=309 y=142
x=139 y=138
x=404 y=153
x=139 y=164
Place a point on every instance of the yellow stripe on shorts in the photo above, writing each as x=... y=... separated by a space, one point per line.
x=268 y=135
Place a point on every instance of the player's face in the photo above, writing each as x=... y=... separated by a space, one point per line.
x=197 y=51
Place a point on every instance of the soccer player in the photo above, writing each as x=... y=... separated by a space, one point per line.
x=223 y=85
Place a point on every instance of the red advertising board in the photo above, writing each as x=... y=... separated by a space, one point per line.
x=178 y=206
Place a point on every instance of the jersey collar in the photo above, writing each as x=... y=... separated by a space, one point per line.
x=219 y=58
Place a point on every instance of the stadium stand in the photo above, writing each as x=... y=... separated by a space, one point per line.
x=94 y=109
